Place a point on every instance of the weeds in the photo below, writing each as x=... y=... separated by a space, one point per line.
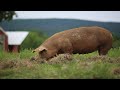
x=84 y=66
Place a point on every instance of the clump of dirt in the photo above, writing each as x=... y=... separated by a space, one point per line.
x=26 y=63
x=37 y=59
x=8 y=64
x=65 y=58
x=112 y=60
x=116 y=71
x=104 y=59
x=15 y=64
x=61 y=58
x=96 y=58
x=115 y=60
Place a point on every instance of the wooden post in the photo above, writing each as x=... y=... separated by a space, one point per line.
x=5 y=41
x=15 y=48
x=6 y=44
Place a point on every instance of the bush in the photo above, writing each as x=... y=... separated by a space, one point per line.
x=33 y=40
x=116 y=41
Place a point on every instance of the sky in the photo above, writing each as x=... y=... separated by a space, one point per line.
x=105 y=16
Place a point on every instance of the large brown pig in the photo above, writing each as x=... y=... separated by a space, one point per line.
x=78 y=40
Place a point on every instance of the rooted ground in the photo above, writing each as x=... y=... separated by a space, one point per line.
x=87 y=66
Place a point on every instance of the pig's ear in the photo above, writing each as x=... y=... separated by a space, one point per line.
x=40 y=49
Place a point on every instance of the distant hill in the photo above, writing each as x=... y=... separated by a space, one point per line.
x=51 y=26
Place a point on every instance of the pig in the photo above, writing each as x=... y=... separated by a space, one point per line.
x=80 y=40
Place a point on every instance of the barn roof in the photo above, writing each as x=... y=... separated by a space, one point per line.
x=16 y=37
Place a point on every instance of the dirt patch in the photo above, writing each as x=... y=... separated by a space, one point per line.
x=112 y=60
x=96 y=58
x=15 y=64
x=8 y=64
x=116 y=71
x=65 y=58
x=104 y=59
x=61 y=58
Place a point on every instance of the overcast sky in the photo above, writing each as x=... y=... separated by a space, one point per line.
x=106 y=16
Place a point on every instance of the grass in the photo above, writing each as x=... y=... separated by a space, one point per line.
x=84 y=66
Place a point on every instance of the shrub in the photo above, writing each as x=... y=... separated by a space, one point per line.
x=33 y=40
x=116 y=41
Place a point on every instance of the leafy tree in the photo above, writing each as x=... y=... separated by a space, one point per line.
x=6 y=15
x=116 y=41
x=33 y=40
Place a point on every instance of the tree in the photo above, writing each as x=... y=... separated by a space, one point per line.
x=6 y=15
x=37 y=38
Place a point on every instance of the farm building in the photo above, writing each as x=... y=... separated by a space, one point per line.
x=10 y=41
x=3 y=40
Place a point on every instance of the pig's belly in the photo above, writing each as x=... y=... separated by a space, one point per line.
x=85 y=49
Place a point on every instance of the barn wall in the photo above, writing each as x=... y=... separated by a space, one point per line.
x=5 y=41
x=14 y=48
x=1 y=33
x=6 y=44
x=1 y=42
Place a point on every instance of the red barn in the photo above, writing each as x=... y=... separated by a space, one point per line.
x=3 y=40
x=11 y=40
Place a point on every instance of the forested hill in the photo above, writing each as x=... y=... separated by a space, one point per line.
x=51 y=26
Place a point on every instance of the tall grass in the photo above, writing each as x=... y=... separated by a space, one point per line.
x=114 y=52
x=24 y=54
x=84 y=66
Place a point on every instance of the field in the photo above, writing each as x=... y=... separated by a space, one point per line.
x=87 y=66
